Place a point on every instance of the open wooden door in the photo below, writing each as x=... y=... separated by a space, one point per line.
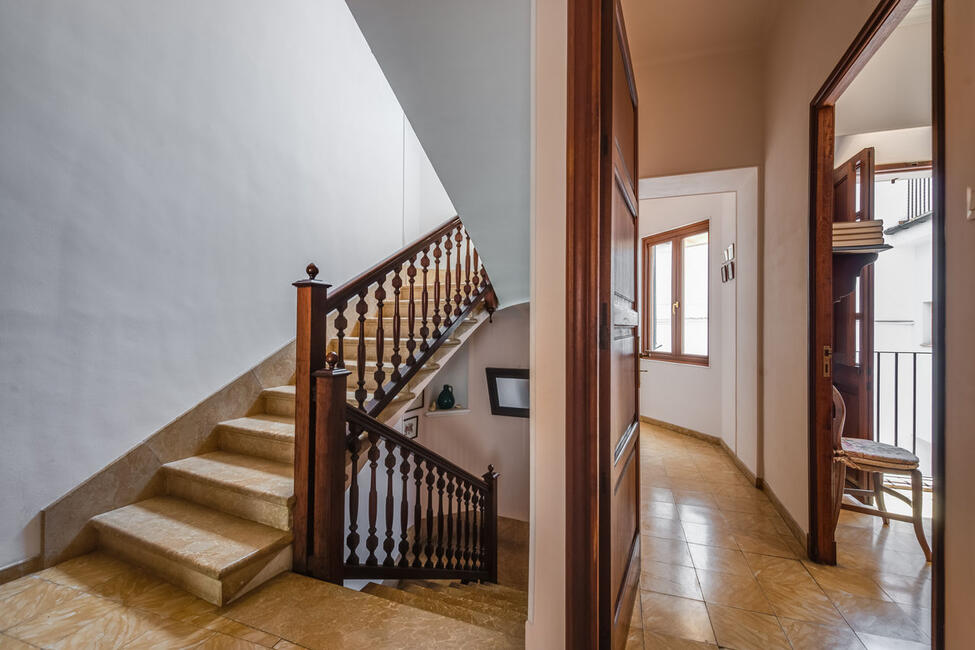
x=853 y=353
x=602 y=422
x=619 y=428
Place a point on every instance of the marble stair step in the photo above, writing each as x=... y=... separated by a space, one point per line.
x=455 y=597
x=263 y=435
x=513 y=596
x=370 y=370
x=402 y=396
x=250 y=487
x=487 y=597
x=438 y=606
x=279 y=400
x=351 y=346
x=372 y=325
x=211 y=554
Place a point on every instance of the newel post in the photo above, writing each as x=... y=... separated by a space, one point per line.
x=491 y=524
x=331 y=385
x=310 y=343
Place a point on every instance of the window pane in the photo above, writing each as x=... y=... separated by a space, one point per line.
x=694 y=302
x=661 y=268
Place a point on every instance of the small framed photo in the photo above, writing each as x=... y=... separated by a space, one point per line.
x=731 y=270
x=411 y=426
x=724 y=272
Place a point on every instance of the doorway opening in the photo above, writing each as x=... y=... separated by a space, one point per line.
x=876 y=355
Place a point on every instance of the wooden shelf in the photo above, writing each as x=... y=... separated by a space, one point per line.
x=847 y=265
x=855 y=250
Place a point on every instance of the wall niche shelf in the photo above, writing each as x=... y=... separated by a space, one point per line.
x=443 y=413
x=848 y=261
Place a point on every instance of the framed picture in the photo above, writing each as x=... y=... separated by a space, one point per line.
x=724 y=272
x=731 y=270
x=508 y=391
x=411 y=426
x=419 y=402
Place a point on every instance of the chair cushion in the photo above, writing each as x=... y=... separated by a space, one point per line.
x=865 y=454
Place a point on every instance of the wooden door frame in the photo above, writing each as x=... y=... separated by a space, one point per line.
x=821 y=544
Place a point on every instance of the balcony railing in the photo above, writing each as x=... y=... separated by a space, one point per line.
x=902 y=402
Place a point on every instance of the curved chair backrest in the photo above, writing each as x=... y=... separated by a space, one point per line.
x=839 y=418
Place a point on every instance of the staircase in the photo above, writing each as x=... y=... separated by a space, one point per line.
x=224 y=521
x=491 y=606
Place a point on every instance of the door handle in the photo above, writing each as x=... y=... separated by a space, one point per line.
x=675 y=307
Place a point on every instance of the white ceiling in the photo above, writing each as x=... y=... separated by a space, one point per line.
x=669 y=30
x=893 y=91
x=461 y=70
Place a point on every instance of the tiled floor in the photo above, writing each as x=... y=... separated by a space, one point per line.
x=95 y=602
x=720 y=566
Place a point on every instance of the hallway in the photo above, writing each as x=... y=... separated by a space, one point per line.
x=720 y=565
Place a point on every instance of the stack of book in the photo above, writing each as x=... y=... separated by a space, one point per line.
x=858 y=233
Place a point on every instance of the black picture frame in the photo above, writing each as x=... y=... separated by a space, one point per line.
x=414 y=431
x=493 y=375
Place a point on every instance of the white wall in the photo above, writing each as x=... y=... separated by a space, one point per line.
x=167 y=172
x=475 y=439
x=696 y=397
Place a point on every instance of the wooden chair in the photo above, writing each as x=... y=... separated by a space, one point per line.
x=878 y=458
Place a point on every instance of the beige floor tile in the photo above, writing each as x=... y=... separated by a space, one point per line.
x=172 y=636
x=658 y=527
x=699 y=515
x=87 y=571
x=694 y=498
x=744 y=630
x=287 y=645
x=41 y=597
x=671 y=551
x=878 y=617
x=764 y=544
x=840 y=579
x=10 y=643
x=636 y=619
x=112 y=630
x=226 y=642
x=51 y=626
x=709 y=535
x=801 y=603
x=672 y=579
x=662 y=494
x=733 y=590
x=713 y=558
x=241 y=631
x=16 y=586
x=906 y=589
x=677 y=617
x=634 y=639
x=656 y=641
x=811 y=636
x=661 y=509
x=776 y=569
x=880 y=642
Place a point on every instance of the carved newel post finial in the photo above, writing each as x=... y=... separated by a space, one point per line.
x=331 y=359
x=311 y=270
x=490 y=469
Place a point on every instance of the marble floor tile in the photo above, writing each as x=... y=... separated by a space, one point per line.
x=764 y=543
x=839 y=579
x=880 y=642
x=811 y=636
x=733 y=590
x=656 y=641
x=714 y=534
x=658 y=527
x=661 y=509
x=880 y=618
x=744 y=630
x=87 y=571
x=663 y=494
x=672 y=579
x=287 y=645
x=699 y=515
x=670 y=551
x=677 y=617
x=694 y=498
x=49 y=627
x=10 y=643
x=39 y=598
x=801 y=603
x=713 y=558
x=114 y=629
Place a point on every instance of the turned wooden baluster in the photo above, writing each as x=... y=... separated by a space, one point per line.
x=424 y=327
x=465 y=503
x=380 y=374
x=436 y=289
x=389 y=544
x=411 y=313
x=352 y=540
x=396 y=359
x=404 y=512
x=475 y=536
x=341 y=322
x=458 y=298
x=418 y=514
x=440 y=540
x=428 y=547
x=372 y=540
x=467 y=269
x=447 y=307
x=361 y=308
x=477 y=275
x=449 y=559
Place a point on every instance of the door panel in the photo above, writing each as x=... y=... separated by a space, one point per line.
x=853 y=314
x=619 y=458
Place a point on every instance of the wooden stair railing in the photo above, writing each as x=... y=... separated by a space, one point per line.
x=440 y=292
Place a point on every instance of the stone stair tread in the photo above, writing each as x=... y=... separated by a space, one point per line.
x=250 y=475
x=438 y=606
x=400 y=396
x=514 y=597
x=461 y=599
x=485 y=595
x=279 y=427
x=279 y=392
x=208 y=541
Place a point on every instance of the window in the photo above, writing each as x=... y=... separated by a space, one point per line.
x=675 y=295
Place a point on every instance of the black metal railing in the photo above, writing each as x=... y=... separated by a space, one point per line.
x=902 y=402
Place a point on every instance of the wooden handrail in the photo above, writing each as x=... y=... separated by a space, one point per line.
x=379 y=270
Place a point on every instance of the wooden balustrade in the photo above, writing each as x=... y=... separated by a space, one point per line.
x=426 y=516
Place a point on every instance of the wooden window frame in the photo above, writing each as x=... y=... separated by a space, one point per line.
x=677 y=282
